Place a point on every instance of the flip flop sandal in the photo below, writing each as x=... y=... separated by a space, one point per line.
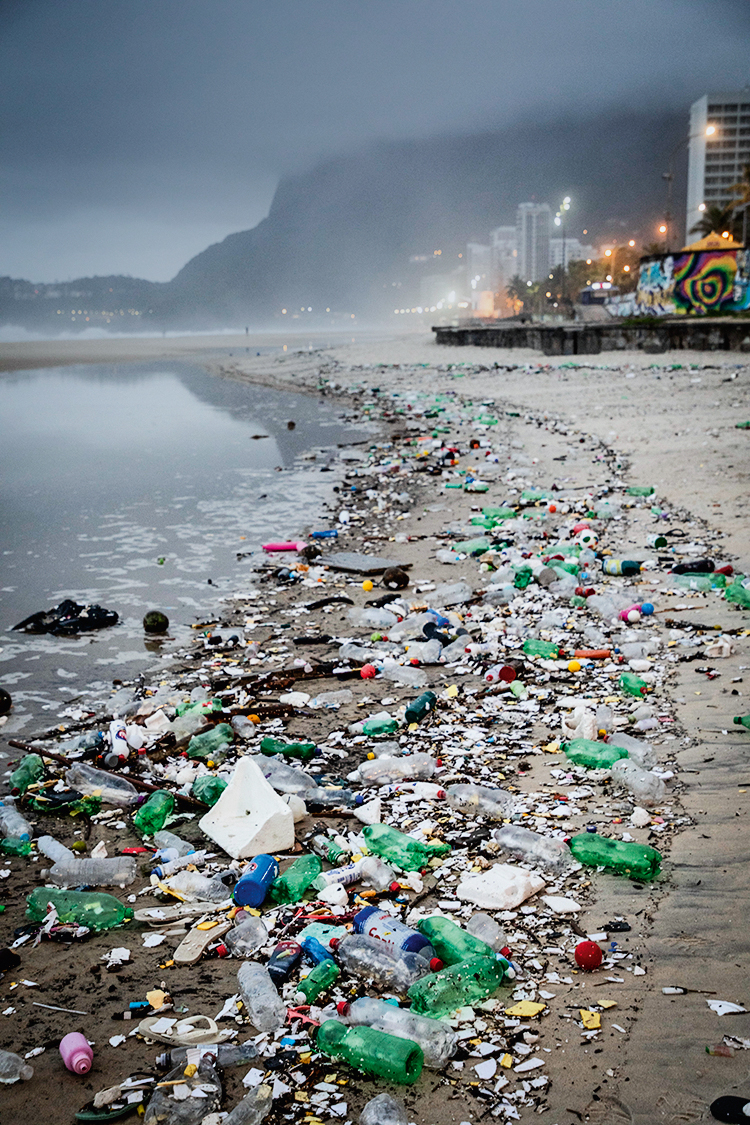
x=732 y=1109
x=189 y=1032
x=192 y=948
x=106 y=1114
x=158 y=915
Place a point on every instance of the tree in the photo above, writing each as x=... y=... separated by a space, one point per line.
x=715 y=218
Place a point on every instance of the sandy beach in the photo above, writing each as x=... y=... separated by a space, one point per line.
x=667 y=421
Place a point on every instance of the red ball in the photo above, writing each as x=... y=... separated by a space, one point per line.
x=588 y=955
x=368 y=672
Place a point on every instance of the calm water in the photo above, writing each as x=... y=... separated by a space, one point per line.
x=106 y=469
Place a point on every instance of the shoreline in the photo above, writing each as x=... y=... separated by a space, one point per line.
x=540 y=445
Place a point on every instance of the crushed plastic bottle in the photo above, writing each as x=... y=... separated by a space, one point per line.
x=28 y=772
x=303 y=751
x=519 y=841
x=396 y=847
x=291 y=886
x=372 y=1051
x=265 y=1008
x=384 y=1110
x=164 y=1108
x=112 y=789
x=592 y=755
x=13 y=825
x=480 y=800
x=153 y=814
x=647 y=788
x=226 y=1054
x=98 y=911
x=166 y=839
x=212 y=743
x=639 y=861
x=386 y=771
x=484 y=927
x=253 y=1108
x=437 y=1040
x=13 y=1068
x=194 y=887
x=378 y=874
x=388 y=967
x=639 y=752
x=247 y=937
x=208 y=789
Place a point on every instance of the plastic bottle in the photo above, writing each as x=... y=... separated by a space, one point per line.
x=194 y=887
x=437 y=1040
x=13 y=1068
x=247 y=937
x=695 y=566
x=384 y=1110
x=164 y=1109
x=480 y=800
x=371 y=1051
x=532 y=846
x=384 y=927
x=328 y=849
x=500 y=673
x=372 y=617
x=386 y=771
x=379 y=724
x=388 y=967
x=211 y=743
x=76 y=1052
x=591 y=754
x=484 y=927
x=318 y=980
x=172 y=866
x=98 y=911
x=152 y=815
x=304 y=751
x=283 y=777
x=636 y=860
x=285 y=957
x=396 y=847
x=115 y=871
x=545 y=649
x=626 y=567
x=252 y=886
x=646 y=787
x=333 y=797
x=343 y=876
x=354 y=652
x=226 y=1054
x=378 y=874
x=208 y=789
x=26 y=773
x=639 y=752
x=457 y=986
x=264 y=1006
x=291 y=886
x=252 y=1109
x=742 y=721
x=90 y=740
x=118 y=738
x=166 y=839
x=420 y=708
x=633 y=685
x=450 y=942
x=113 y=790
x=13 y=825
x=54 y=850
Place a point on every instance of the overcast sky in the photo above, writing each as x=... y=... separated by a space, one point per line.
x=136 y=132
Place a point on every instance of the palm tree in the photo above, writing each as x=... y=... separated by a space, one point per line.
x=714 y=218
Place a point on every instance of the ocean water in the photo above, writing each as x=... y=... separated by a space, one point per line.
x=107 y=469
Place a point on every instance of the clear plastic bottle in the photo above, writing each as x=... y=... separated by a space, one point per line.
x=403 y=674
x=242 y=726
x=197 y=888
x=384 y=1110
x=283 y=777
x=386 y=771
x=114 y=790
x=117 y=871
x=372 y=617
x=172 y=866
x=253 y=1108
x=226 y=1054
x=13 y=1068
x=484 y=927
x=247 y=937
x=165 y=1109
x=166 y=839
x=356 y=653
x=426 y=652
x=642 y=753
x=532 y=846
x=437 y=1040
x=378 y=874
x=265 y=1008
x=371 y=959
x=13 y=825
x=646 y=787
x=479 y=800
x=54 y=850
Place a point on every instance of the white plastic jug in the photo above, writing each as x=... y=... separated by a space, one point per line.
x=249 y=818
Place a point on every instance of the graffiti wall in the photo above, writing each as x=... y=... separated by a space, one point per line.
x=694 y=282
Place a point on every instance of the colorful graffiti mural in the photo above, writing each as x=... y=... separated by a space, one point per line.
x=694 y=281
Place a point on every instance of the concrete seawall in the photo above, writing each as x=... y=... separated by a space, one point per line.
x=676 y=334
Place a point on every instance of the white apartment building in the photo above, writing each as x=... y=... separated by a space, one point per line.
x=575 y=251
x=533 y=222
x=715 y=162
x=504 y=248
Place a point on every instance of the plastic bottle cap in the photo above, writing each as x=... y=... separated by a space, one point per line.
x=343 y=1007
x=335 y=942
x=435 y=964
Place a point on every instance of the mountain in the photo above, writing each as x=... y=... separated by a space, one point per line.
x=355 y=230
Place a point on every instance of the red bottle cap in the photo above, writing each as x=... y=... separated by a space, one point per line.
x=506 y=951
x=343 y=1007
x=435 y=964
x=221 y=950
x=335 y=942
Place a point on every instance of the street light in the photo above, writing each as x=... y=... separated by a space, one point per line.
x=709 y=131
x=560 y=222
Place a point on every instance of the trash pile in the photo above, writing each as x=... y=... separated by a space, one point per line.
x=378 y=806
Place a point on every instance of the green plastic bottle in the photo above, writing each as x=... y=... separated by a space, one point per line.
x=371 y=1051
x=30 y=770
x=200 y=707
x=376 y=726
x=87 y=908
x=738 y=594
x=742 y=721
x=211 y=742
x=291 y=886
x=396 y=847
x=318 y=980
x=455 y=986
x=628 y=567
x=523 y=576
x=153 y=814
x=593 y=755
x=472 y=546
x=420 y=707
x=639 y=861
x=208 y=788
x=499 y=513
x=12 y=846
x=451 y=943
x=702 y=583
x=532 y=647
x=328 y=849
x=304 y=751
x=632 y=684
x=640 y=490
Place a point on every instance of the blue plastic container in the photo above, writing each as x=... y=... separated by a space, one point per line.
x=252 y=888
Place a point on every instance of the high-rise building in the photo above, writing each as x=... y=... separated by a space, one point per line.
x=575 y=251
x=532 y=235
x=504 y=248
x=716 y=161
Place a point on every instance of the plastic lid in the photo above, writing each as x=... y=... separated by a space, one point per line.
x=343 y=1007
x=435 y=964
x=335 y=942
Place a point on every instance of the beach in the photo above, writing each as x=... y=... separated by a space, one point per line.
x=669 y=422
